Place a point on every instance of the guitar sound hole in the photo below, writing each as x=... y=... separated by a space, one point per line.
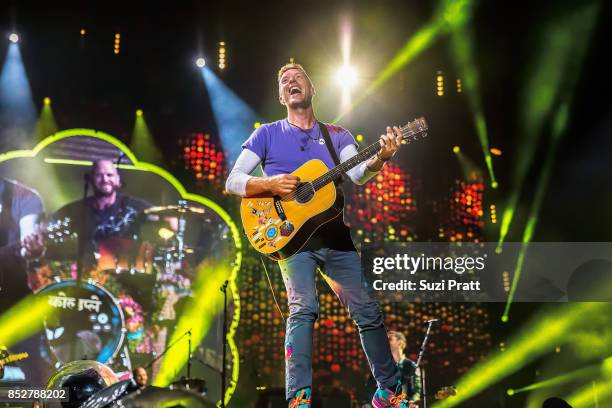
x=304 y=193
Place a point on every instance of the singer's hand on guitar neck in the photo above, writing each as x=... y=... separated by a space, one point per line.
x=281 y=184
x=390 y=143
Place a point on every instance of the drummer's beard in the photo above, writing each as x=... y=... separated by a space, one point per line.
x=103 y=192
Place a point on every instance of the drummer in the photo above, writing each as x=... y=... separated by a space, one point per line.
x=107 y=213
x=140 y=377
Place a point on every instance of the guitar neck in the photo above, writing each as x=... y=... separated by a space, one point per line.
x=341 y=169
x=409 y=131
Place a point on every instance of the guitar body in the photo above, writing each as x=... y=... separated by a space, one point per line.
x=279 y=227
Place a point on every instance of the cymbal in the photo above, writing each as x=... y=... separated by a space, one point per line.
x=174 y=210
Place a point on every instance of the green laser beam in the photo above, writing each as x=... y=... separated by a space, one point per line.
x=559 y=125
x=24 y=319
x=590 y=395
x=560 y=51
x=545 y=330
x=462 y=51
x=449 y=13
x=575 y=375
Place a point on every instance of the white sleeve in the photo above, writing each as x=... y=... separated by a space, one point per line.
x=360 y=174
x=240 y=174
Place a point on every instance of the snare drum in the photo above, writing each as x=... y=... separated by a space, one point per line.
x=87 y=322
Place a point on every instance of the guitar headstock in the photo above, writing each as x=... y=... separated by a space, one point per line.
x=415 y=130
x=60 y=231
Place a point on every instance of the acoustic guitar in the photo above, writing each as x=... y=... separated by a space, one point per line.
x=280 y=226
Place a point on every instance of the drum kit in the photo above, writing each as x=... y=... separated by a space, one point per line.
x=122 y=304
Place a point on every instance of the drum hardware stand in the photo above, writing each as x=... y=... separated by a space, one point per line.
x=420 y=358
x=224 y=366
x=180 y=234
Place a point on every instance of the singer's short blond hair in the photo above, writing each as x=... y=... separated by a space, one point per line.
x=293 y=65
x=399 y=337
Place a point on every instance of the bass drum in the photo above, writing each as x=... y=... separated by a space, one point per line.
x=85 y=322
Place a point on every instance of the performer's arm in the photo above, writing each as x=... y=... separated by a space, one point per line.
x=390 y=143
x=241 y=183
x=361 y=173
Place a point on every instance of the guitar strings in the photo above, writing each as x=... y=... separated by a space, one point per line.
x=302 y=192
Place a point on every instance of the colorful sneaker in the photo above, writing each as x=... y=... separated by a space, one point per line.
x=386 y=398
x=301 y=399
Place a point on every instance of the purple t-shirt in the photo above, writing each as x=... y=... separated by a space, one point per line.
x=283 y=147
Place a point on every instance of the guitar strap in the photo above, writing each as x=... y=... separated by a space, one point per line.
x=330 y=147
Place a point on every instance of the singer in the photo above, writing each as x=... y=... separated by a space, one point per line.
x=281 y=147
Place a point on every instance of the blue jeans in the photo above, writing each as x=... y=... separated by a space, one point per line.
x=342 y=271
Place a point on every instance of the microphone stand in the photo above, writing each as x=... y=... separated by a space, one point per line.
x=188 y=332
x=420 y=358
x=224 y=366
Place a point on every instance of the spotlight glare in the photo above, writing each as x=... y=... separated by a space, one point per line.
x=510 y=392
x=346 y=76
x=456 y=149
x=200 y=62
x=139 y=112
x=82 y=31
x=14 y=38
x=47 y=101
